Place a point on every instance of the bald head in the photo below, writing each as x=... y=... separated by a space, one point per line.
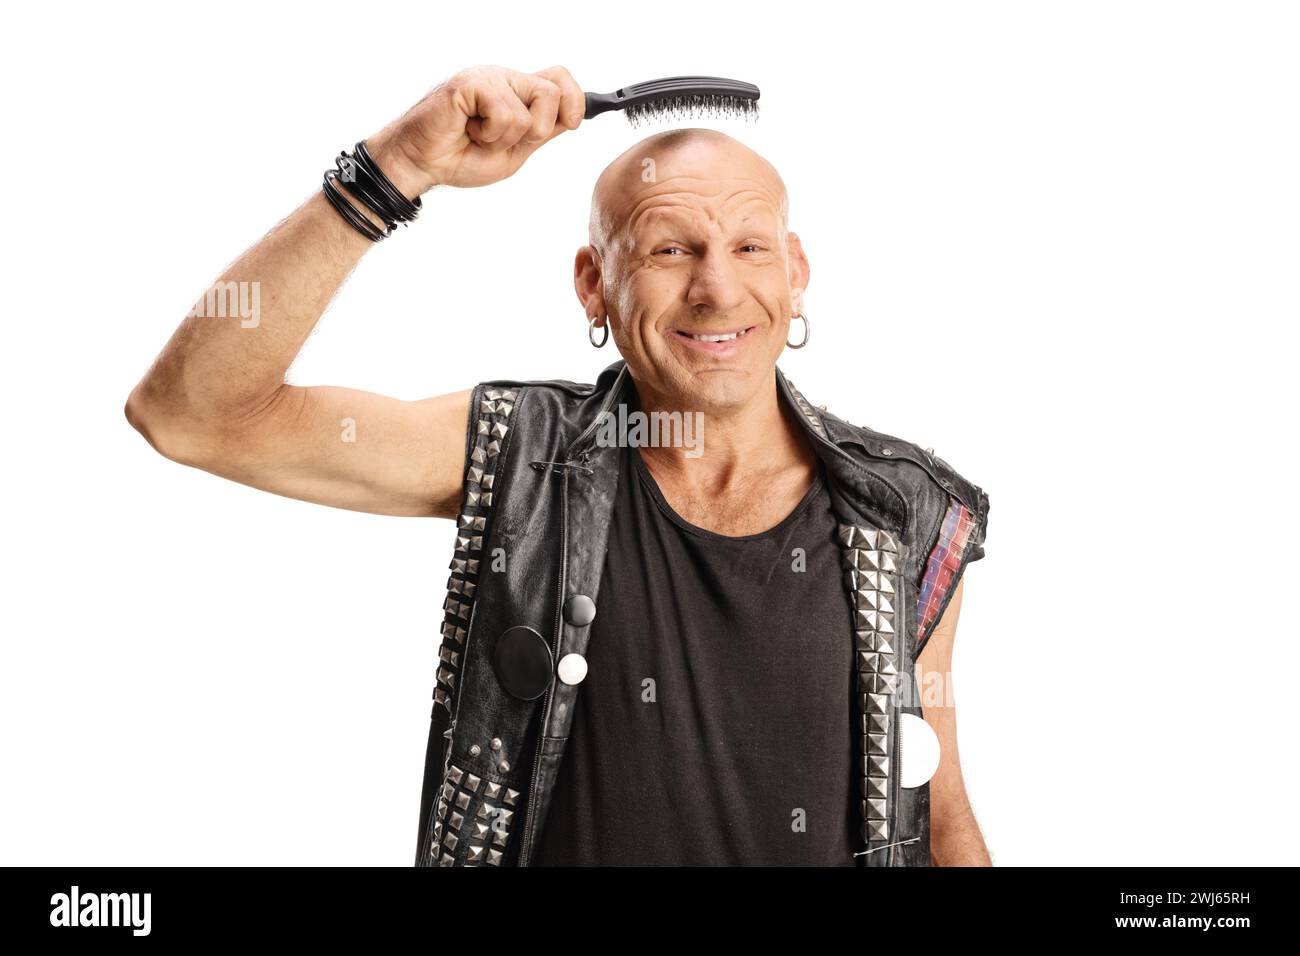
x=690 y=155
x=689 y=239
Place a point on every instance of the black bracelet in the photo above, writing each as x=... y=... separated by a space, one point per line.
x=404 y=210
x=365 y=180
x=364 y=188
x=355 y=218
x=362 y=177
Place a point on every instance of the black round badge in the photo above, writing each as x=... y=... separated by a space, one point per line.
x=579 y=610
x=523 y=662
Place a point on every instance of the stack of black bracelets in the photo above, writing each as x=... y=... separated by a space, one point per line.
x=366 y=181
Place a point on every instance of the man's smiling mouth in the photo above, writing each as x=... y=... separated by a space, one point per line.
x=713 y=341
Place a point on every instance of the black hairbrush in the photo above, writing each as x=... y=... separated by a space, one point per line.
x=678 y=97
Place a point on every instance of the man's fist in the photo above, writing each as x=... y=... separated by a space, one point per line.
x=477 y=128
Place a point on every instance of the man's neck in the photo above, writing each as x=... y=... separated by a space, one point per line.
x=742 y=447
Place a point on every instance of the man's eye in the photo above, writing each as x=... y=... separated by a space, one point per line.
x=756 y=248
x=669 y=249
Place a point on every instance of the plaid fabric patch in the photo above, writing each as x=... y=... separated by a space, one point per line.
x=943 y=564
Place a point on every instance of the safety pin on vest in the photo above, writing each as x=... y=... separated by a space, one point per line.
x=561 y=465
x=887 y=846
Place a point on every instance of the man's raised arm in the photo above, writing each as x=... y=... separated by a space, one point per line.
x=216 y=398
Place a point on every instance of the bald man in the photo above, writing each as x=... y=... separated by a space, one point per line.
x=693 y=273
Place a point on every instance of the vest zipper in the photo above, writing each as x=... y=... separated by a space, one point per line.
x=529 y=817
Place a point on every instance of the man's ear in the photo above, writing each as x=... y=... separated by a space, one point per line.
x=588 y=283
x=799 y=271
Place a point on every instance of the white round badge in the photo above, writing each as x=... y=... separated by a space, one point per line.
x=572 y=668
x=918 y=752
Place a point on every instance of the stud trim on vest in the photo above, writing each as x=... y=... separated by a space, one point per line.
x=871 y=574
x=474 y=813
x=814 y=420
x=471 y=821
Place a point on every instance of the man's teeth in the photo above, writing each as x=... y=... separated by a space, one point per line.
x=716 y=338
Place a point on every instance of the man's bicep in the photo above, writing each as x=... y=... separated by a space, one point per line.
x=358 y=450
x=934 y=677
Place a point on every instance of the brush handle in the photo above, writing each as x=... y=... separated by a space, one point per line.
x=672 y=86
x=598 y=103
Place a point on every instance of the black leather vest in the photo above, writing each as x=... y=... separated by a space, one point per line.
x=525 y=585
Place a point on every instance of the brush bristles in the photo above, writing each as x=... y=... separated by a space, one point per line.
x=712 y=105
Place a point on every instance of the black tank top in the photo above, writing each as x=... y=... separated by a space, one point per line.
x=714 y=725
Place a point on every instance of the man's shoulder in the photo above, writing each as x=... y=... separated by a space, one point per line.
x=882 y=449
x=948 y=512
x=556 y=389
x=545 y=413
x=545 y=404
x=909 y=462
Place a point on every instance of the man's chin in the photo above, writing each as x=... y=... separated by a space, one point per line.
x=710 y=387
x=718 y=389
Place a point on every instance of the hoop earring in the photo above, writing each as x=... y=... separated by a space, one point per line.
x=591 y=332
x=806 y=330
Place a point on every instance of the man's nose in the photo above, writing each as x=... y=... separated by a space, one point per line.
x=716 y=283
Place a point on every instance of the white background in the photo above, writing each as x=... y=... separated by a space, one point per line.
x=1056 y=242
